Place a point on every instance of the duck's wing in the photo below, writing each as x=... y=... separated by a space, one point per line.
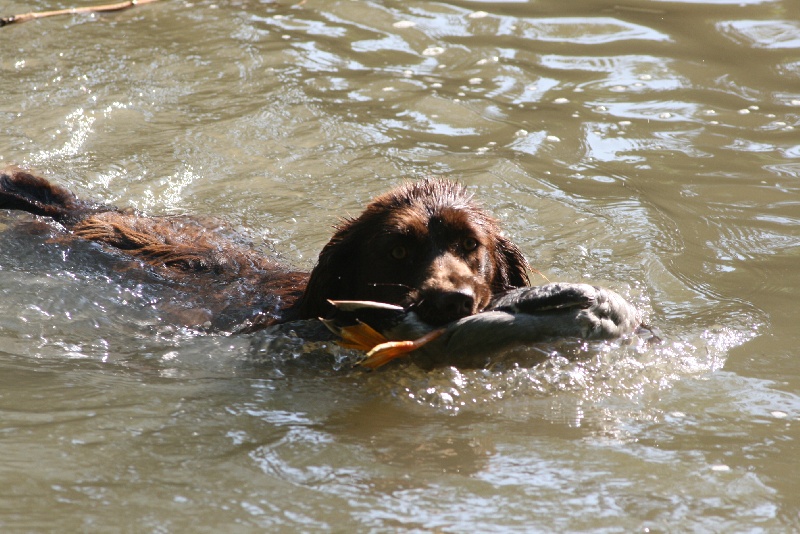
x=544 y=299
x=570 y=310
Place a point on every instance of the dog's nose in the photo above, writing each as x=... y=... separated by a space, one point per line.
x=440 y=307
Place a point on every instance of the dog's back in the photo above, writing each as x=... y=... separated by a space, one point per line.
x=181 y=249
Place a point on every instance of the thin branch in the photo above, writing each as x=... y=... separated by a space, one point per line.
x=25 y=17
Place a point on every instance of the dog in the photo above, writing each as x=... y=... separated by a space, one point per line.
x=426 y=246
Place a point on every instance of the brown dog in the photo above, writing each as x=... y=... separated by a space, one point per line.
x=426 y=246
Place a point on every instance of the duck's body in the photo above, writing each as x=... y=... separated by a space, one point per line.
x=519 y=317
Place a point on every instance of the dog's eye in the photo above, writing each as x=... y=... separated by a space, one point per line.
x=399 y=252
x=469 y=244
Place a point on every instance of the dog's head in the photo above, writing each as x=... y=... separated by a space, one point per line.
x=425 y=245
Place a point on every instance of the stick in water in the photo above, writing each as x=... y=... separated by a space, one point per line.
x=25 y=17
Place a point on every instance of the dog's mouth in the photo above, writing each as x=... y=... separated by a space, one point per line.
x=435 y=307
x=438 y=308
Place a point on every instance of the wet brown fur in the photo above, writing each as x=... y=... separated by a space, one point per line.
x=454 y=256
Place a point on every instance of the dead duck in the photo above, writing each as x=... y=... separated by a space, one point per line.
x=519 y=317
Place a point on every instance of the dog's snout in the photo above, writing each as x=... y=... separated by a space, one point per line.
x=456 y=303
x=440 y=307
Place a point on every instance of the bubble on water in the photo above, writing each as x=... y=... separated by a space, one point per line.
x=553 y=138
x=433 y=51
x=561 y=100
x=475 y=81
x=744 y=111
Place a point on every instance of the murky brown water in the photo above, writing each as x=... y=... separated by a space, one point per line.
x=650 y=146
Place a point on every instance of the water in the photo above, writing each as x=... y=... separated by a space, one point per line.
x=651 y=147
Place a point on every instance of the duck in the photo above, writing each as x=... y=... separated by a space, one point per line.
x=519 y=317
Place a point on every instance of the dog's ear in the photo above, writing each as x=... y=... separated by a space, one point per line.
x=511 y=267
x=335 y=274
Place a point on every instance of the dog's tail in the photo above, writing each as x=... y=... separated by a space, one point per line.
x=20 y=190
